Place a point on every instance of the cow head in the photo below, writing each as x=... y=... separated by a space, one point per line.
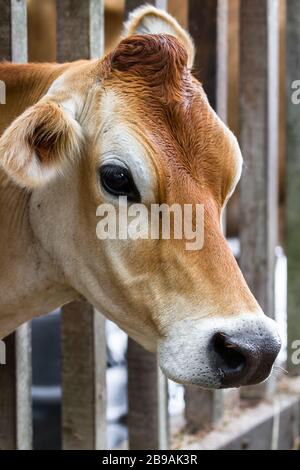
x=138 y=124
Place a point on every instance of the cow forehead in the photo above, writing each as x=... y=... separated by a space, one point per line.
x=151 y=70
x=183 y=139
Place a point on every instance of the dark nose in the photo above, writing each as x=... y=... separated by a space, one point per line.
x=243 y=360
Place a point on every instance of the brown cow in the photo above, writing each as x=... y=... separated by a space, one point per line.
x=136 y=124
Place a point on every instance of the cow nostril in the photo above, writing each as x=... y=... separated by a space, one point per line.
x=228 y=356
x=242 y=359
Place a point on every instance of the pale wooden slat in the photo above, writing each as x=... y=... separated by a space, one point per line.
x=23 y=389
x=80 y=29
x=80 y=35
x=147 y=387
x=293 y=179
x=97 y=28
x=208 y=26
x=73 y=23
x=130 y=5
x=162 y=4
x=147 y=396
x=15 y=392
x=203 y=408
x=15 y=376
x=19 y=43
x=83 y=373
x=259 y=140
x=227 y=400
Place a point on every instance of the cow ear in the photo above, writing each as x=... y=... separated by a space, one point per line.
x=38 y=145
x=150 y=20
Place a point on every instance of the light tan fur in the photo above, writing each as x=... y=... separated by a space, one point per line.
x=142 y=103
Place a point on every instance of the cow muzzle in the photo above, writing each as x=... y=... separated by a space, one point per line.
x=221 y=353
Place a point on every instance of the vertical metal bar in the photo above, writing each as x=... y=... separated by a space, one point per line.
x=80 y=35
x=259 y=30
x=293 y=180
x=148 y=421
x=15 y=375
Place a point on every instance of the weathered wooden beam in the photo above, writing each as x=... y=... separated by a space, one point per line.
x=13 y=31
x=130 y=5
x=147 y=387
x=208 y=25
x=293 y=180
x=259 y=141
x=259 y=91
x=270 y=425
x=83 y=378
x=80 y=29
x=147 y=397
x=15 y=375
x=80 y=35
x=5 y=30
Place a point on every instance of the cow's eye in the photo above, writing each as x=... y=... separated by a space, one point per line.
x=118 y=181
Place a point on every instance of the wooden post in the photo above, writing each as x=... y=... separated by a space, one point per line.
x=15 y=375
x=84 y=384
x=293 y=180
x=259 y=141
x=80 y=29
x=148 y=404
x=208 y=25
x=80 y=35
x=130 y=5
x=147 y=386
